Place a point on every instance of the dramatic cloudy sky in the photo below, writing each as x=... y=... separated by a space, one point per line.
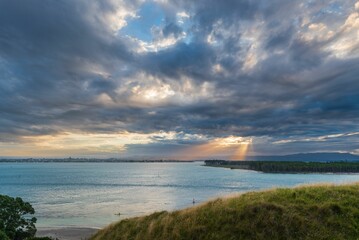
x=178 y=79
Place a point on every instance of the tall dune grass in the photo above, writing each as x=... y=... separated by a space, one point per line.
x=309 y=212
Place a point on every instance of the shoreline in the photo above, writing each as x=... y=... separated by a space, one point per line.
x=288 y=167
x=232 y=167
x=67 y=233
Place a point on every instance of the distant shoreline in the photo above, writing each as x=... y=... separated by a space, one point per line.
x=67 y=233
x=75 y=160
x=288 y=166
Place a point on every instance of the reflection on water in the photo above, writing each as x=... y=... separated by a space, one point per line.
x=91 y=194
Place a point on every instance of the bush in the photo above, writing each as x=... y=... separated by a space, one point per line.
x=3 y=236
x=15 y=221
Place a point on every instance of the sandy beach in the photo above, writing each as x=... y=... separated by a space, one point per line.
x=66 y=233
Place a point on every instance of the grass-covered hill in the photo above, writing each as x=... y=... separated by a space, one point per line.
x=311 y=212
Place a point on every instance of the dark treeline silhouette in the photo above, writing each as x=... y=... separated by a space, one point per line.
x=288 y=166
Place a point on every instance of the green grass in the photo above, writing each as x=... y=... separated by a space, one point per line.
x=310 y=212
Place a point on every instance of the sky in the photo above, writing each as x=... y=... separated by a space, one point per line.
x=180 y=79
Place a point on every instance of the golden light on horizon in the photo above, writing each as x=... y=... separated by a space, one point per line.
x=202 y=150
x=77 y=144
x=236 y=148
x=117 y=144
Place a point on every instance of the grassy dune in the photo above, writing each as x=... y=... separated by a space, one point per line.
x=310 y=212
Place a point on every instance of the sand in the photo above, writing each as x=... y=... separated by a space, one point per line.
x=67 y=233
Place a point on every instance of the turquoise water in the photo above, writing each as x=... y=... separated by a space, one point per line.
x=90 y=194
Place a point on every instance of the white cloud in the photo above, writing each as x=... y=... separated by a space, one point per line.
x=182 y=17
x=148 y=91
x=317 y=32
x=115 y=17
x=159 y=43
x=346 y=38
x=317 y=139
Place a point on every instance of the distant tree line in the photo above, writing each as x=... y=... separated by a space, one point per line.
x=288 y=166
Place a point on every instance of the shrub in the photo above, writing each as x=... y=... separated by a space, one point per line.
x=15 y=219
x=3 y=236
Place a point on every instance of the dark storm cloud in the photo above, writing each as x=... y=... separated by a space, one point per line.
x=51 y=30
x=47 y=51
x=206 y=13
x=172 y=28
x=58 y=57
x=193 y=59
x=281 y=39
x=280 y=102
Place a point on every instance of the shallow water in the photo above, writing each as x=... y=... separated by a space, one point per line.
x=91 y=194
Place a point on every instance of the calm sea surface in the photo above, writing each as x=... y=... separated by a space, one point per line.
x=90 y=194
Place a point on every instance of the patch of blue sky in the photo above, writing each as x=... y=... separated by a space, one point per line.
x=149 y=15
x=330 y=11
x=335 y=7
x=332 y=8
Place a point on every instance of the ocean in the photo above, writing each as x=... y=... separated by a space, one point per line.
x=96 y=194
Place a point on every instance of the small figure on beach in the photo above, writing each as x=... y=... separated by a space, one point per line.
x=194 y=201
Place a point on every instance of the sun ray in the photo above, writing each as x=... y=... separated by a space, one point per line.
x=241 y=152
x=235 y=148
